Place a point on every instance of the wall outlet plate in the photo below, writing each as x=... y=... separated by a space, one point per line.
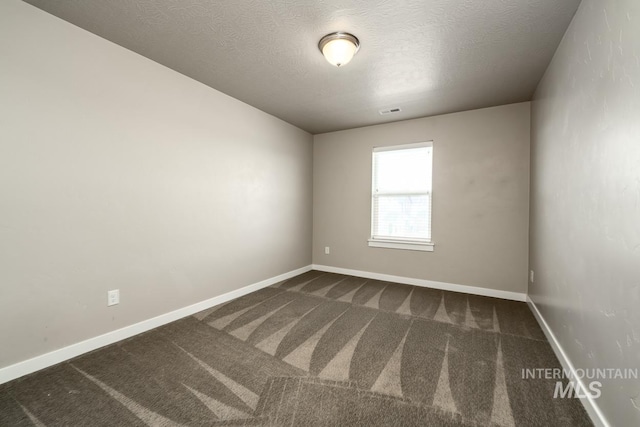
x=531 y=276
x=327 y=250
x=113 y=297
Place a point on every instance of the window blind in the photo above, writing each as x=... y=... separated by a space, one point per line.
x=401 y=193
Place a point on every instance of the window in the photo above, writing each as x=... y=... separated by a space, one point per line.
x=401 y=197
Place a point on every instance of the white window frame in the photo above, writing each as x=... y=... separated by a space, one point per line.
x=399 y=243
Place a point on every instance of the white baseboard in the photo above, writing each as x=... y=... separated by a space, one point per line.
x=592 y=408
x=49 y=359
x=515 y=296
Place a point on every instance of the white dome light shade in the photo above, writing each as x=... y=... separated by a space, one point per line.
x=339 y=48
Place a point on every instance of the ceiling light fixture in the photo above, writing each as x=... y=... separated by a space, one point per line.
x=338 y=48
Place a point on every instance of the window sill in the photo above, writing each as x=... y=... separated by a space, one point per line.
x=401 y=244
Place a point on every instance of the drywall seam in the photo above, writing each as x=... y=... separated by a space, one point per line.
x=37 y=363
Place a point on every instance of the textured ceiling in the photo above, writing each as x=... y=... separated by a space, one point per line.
x=425 y=56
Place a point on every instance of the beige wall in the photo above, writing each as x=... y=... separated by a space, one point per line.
x=585 y=192
x=116 y=172
x=480 y=198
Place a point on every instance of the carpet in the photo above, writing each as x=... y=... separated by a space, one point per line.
x=319 y=349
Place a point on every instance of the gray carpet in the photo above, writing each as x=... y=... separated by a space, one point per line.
x=319 y=349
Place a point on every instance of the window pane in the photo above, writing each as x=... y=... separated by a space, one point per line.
x=402 y=216
x=406 y=170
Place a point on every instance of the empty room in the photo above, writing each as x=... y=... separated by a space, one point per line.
x=319 y=213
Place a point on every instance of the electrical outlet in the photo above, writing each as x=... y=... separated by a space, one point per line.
x=531 y=276
x=327 y=250
x=113 y=297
